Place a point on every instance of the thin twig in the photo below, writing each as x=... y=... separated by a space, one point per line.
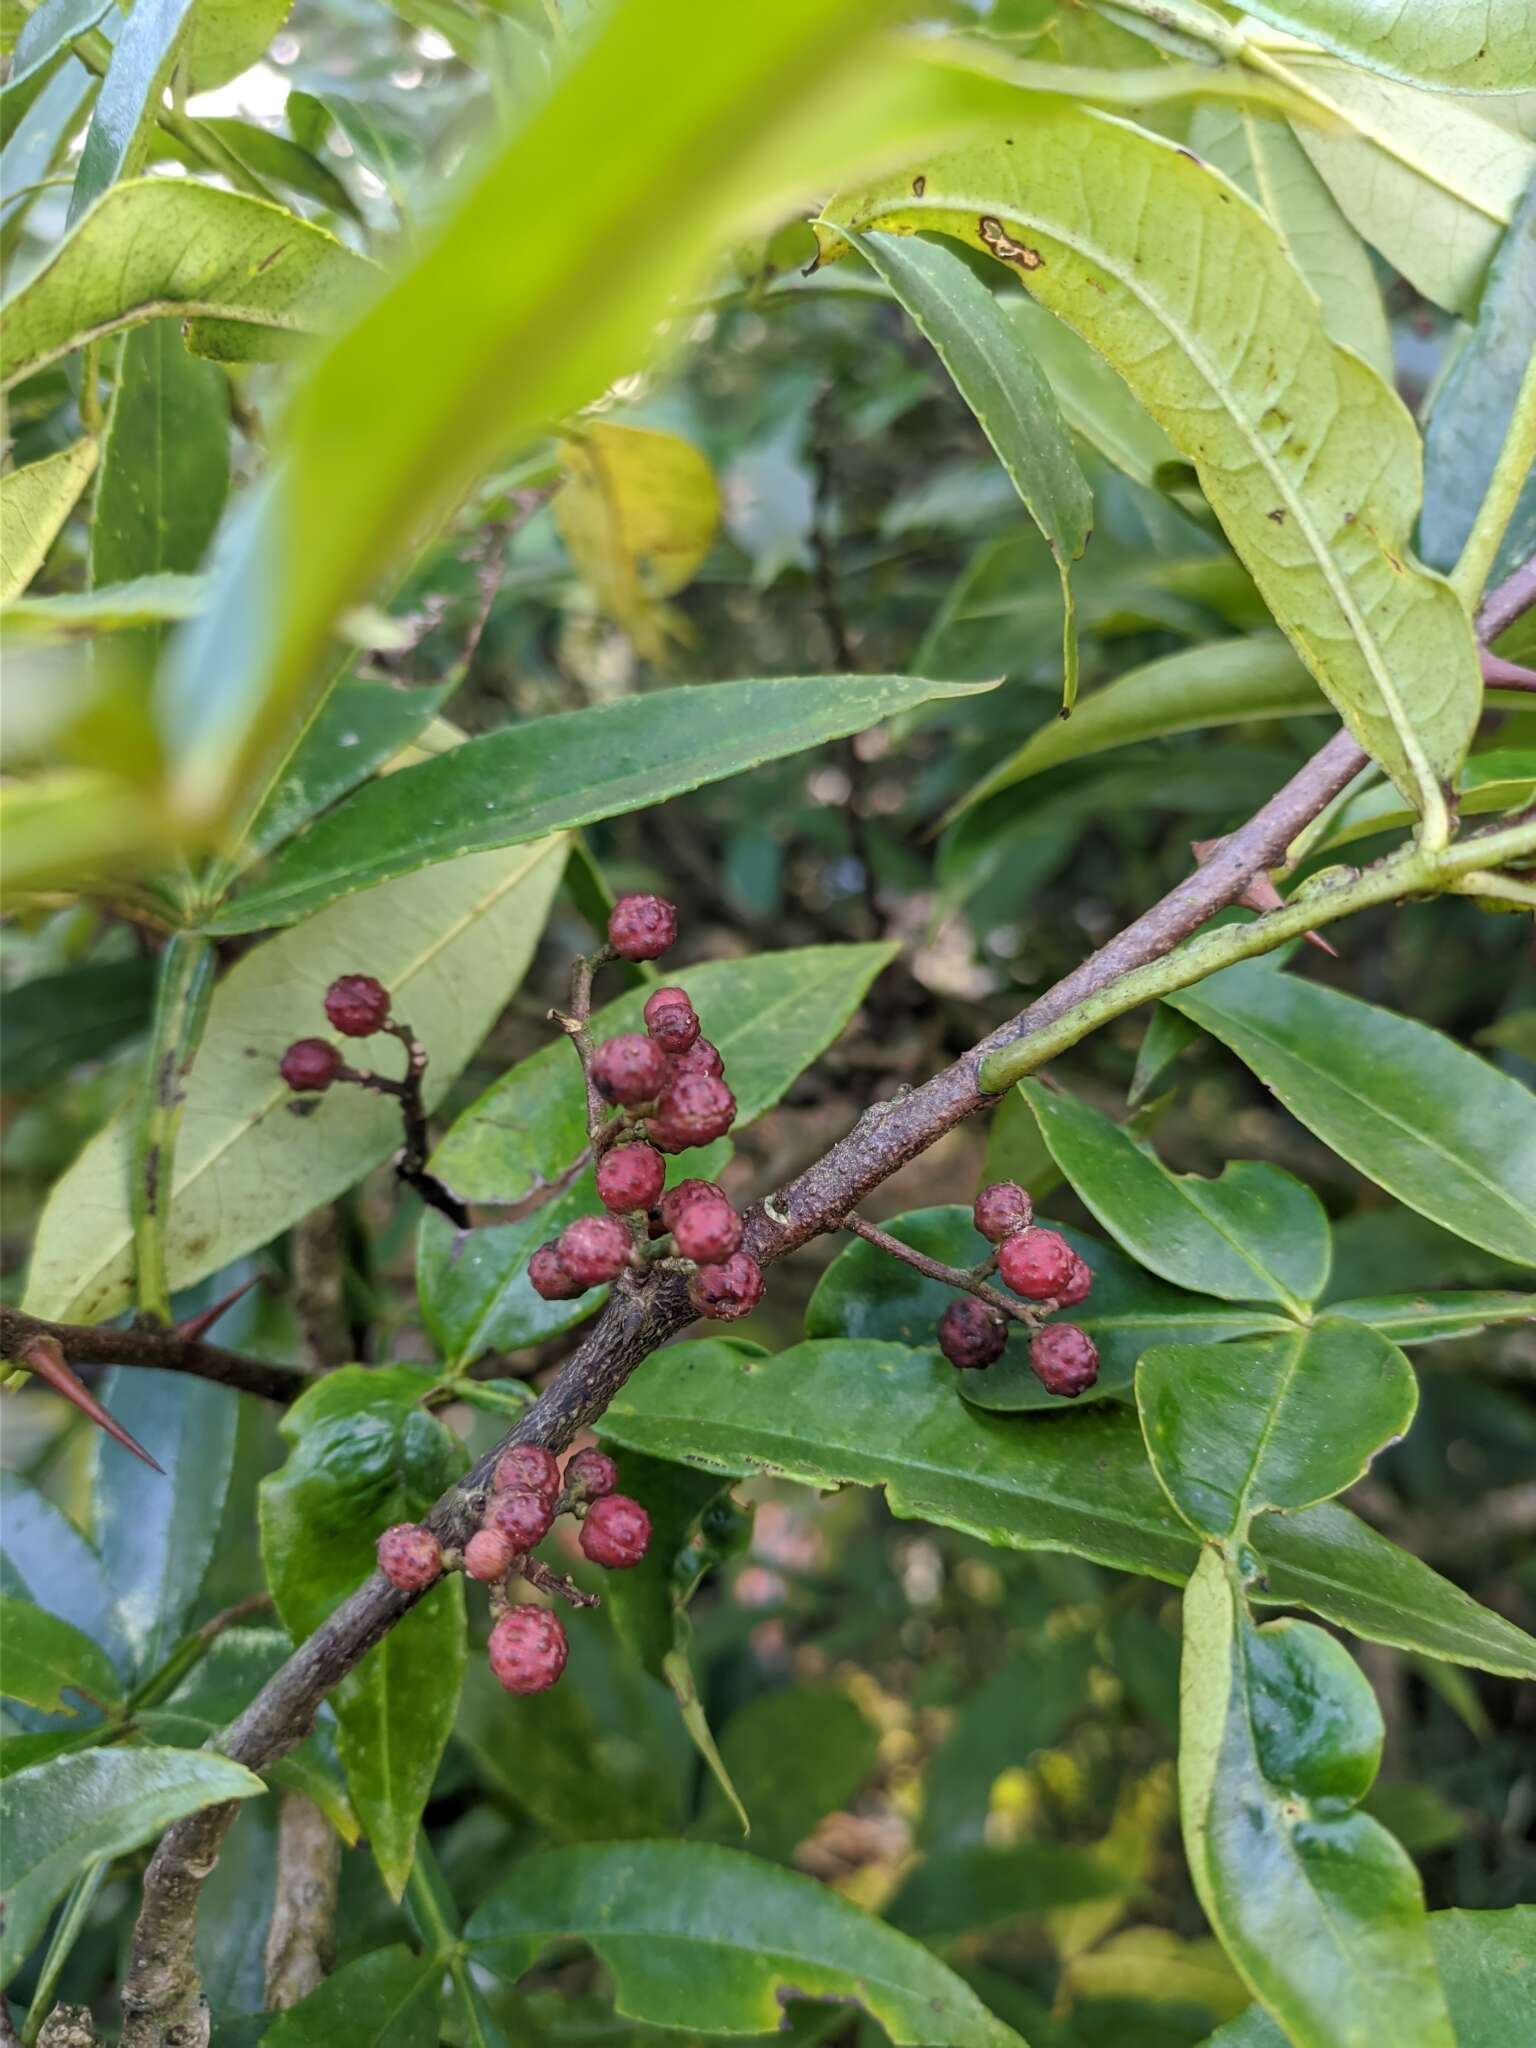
x=165 y=1350
x=968 y=1282
x=1506 y=602
x=1500 y=674
x=411 y=1159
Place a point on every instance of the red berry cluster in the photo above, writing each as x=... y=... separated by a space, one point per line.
x=528 y=1646
x=1041 y=1266
x=357 y=1006
x=667 y=1084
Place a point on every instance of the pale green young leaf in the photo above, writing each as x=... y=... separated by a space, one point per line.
x=1310 y=462
x=35 y=501
x=1490 y=47
x=50 y=1664
x=117 y=140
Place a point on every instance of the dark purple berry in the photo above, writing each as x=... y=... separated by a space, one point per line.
x=410 y=1556
x=594 y=1249
x=629 y=1069
x=522 y=1516
x=706 y=1229
x=1065 y=1359
x=972 y=1335
x=530 y=1466
x=642 y=927
x=1036 y=1263
x=701 y=1057
x=357 y=1005
x=671 y=1019
x=591 y=1474
x=550 y=1277
x=1001 y=1210
x=1078 y=1287
x=727 y=1291
x=528 y=1649
x=616 y=1531
x=488 y=1555
x=695 y=1109
x=309 y=1065
x=630 y=1177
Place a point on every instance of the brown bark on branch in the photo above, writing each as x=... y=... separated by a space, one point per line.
x=95 y=1344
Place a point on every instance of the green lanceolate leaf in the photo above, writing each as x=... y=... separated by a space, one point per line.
x=365 y=1455
x=1429 y=179
x=1491 y=48
x=450 y=946
x=570 y=769
x=148 y=601
x=163 y=246
x=872 y=1414
x=391 y=1998
x=1095 y=402
x=117 y=140
x=1473 y=404
x=49 y=1664
x=1254 y=1234
x=59 y=1815
x=1439 y=1128
x=41 y=48
x=1318 y=1906
x=865 y=1294
x=1308 y=460
x=969 y=1891
x=157 y=1542
x=988 y=359
x=794 y=1756
x=1280 y=1422
x=34 y=504
x=1428 y=1318
x=45 y=1559
x=1263 y=159
x=709 y=1938
x=1498 y=779
x=1223 y=682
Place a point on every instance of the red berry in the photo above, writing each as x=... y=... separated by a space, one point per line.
x=631 y=1177
x=694 y=1110
x=488 y=1555
x=528 y=1649
x=616 y=1531
x=1036 y=1263
x=410 y=1556
x=357 y=1005
x=1001 y=1210
x=530 y=1466
x=972 y=1335
x=1065 y=1359
x=727 y=1291
x=522 y=1516
x=1078 y=1287
x=309 y=1065
x=550 y=1277
x=700 y=1058
x=675 y=1200
x=629 y=1069
x=671 y=1019
x=707 y=1229
x=592 y=1474
x=594 y=1249
x=642 y=927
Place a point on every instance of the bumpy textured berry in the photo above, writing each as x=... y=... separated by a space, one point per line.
x=972 y=1335
x=671 y=1019
x=528 y=1649
x=594 y=1249
x=1036 y=1263
x=309 y=1065
x=530 y=1466
x=707 y=1229
x=642 y=927
x=522 y=1516
x=357 y=1005
x=694 y=1109
x=616 y=1532
x=1065 y=1359
x=1001 y=1210
x=702 y=1057
x=410 y=1556
x=488 y=1555
x=727 y=1291
x=629 y=1069
x=630 y=1177
x=1078 y=1287
x=675 y=1200
x=549 y=1275
x=592 y=1474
